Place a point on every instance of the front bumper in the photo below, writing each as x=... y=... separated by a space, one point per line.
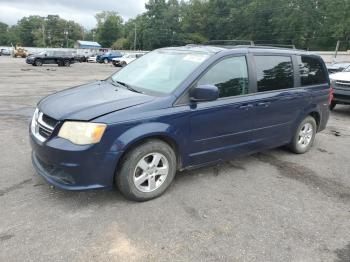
x=30 y=61
x=72 y=167
x=341 y=95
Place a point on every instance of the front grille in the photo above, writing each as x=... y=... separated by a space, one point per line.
x=343 y=83
x=44 y=132
x=43 y=125
x=49 y=120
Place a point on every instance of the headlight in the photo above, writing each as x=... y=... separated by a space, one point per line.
x=82 y=133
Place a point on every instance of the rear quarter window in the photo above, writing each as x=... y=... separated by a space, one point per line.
x=274 y=72
x=311 y=71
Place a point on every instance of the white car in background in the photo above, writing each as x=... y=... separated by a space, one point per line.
x=126 y=59
x=341 y=88
x=92 y=59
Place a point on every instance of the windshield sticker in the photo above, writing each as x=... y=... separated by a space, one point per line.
x=195 y=58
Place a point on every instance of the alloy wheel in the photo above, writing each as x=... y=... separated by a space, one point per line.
x=305 y=135
x=151 y=172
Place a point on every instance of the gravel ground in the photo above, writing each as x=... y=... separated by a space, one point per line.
x=271 y=206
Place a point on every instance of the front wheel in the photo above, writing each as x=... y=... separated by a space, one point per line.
x=146 y=171
x=66 y=63
x=38 y=62
x=304 y=136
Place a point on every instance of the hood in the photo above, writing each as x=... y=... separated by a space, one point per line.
x=89 y=101
x=341 y=76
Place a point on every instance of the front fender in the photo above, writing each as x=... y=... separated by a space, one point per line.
x=147 y=130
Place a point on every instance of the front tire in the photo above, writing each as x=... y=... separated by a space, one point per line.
x=66 y=63
x=146 y=171
x=304 y=136
x=38 y=62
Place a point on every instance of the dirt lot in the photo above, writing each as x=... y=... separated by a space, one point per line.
x=272 y=206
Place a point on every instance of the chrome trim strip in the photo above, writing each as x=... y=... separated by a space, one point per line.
x=42 y=123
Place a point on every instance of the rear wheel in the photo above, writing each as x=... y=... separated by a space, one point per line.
x=146 y=171
x=304 y=136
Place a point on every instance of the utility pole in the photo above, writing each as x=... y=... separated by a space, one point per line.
x=43 y=31
x=135 y=37
x=336 y=51
x=49 y=37
x=66 y=34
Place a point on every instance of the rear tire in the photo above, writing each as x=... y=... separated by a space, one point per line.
x=332 y=105
x=146 y=171
x=304 y=136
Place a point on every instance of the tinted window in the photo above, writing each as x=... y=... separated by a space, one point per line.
x=274 y=72
x=311 y=71
x=229 y=75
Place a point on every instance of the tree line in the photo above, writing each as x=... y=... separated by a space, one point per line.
x=311 y=24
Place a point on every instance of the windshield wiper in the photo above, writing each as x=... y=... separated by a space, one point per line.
x=127 y=86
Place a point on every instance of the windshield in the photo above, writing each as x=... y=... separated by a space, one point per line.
x=160 y=71
x=347 y=69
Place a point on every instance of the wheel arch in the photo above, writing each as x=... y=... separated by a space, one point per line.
x=317 y=116
x=139 y=134
x=156 y=136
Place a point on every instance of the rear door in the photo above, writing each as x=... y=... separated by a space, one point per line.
x=278 y=102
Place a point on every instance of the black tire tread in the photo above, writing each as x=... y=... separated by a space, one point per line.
x=123 y=175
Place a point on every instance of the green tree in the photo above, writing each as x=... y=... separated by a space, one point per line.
x=109 y=27
x=4 y=33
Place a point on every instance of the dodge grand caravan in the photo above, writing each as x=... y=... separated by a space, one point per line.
x=179 y=108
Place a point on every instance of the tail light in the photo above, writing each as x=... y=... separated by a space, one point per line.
x=331 y=90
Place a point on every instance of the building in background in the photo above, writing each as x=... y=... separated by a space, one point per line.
x=87 y=45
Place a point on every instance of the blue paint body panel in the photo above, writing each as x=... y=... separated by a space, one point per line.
x=202 y=133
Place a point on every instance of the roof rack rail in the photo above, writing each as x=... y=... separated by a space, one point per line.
x=234 y=42
x=226 y=42
x=277 y=45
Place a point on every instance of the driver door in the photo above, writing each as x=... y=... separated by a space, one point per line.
x=222 y=128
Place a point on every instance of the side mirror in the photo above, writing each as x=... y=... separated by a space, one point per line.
x=204 y=93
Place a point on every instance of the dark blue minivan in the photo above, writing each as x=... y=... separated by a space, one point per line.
x=179 y=108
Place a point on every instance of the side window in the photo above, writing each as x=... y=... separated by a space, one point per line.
x=274 y=72
x=229 y=75
x=311 y=71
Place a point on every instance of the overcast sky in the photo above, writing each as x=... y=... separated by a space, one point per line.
x=81 y=11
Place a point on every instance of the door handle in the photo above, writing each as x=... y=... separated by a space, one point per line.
x=245 y=107
x=263 y=104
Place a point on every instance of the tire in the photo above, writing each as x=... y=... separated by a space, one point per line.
x=123 y=63
x=304 y=137
x=38 y=62
x=105 y=61
x=143 y=155
x=66 y=63
x=332 y=105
